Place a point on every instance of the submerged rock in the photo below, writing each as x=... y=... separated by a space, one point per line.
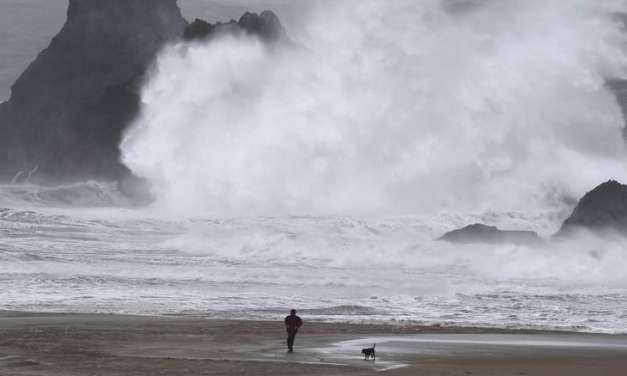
x=482 y=234
x=604 y=208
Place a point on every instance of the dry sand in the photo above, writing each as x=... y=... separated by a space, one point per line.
x=52 y=344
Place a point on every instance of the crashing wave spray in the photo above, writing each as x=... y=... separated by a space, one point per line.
x=390 y=106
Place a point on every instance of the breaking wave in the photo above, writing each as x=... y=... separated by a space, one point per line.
x=484 y=111
x=390 y=106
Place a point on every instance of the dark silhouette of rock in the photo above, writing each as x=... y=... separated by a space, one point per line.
x=265 y=25
x=68 y=110
x=198 y=29
x=603 y=208
x=482 y=234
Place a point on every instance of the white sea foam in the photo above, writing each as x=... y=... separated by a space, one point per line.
x=390 y=106
x=331 y=268
x=452 y=112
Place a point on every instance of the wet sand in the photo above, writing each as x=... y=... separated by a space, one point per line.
x=55 y=344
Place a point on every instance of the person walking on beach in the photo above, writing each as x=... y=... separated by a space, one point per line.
x=292 y=324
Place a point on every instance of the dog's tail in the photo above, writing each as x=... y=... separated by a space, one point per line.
x=375 y=345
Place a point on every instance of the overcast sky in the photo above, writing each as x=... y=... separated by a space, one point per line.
x=26 y=26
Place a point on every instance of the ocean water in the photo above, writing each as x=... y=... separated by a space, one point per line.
x=453 y=111
x=80 y=249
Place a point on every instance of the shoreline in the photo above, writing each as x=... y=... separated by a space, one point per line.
x=52 y=344
x=392 y=324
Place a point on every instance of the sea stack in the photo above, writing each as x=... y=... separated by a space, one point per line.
x=67 y=111
x=602 y=209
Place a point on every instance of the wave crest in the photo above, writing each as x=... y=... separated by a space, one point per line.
x=397 y=107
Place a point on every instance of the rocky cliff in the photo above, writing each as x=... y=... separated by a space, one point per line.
x=67 y=111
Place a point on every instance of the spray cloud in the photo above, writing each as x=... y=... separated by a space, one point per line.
x=390 y=106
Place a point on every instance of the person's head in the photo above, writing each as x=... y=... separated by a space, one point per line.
x=293 y=312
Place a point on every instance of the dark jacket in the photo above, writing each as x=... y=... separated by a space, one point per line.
x=292 y=323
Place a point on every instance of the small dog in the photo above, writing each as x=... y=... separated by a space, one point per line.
x=369 y=352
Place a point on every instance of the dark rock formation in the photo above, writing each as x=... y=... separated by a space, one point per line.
x=482 y=234
x=265 y=25
x=69 y=108
x=603 y=208
x=199 y=29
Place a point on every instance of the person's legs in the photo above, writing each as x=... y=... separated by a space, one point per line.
x=290 y=341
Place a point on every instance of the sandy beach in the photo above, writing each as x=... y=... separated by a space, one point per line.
x=71 y=344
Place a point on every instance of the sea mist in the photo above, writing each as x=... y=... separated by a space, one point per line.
x=390 y=107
